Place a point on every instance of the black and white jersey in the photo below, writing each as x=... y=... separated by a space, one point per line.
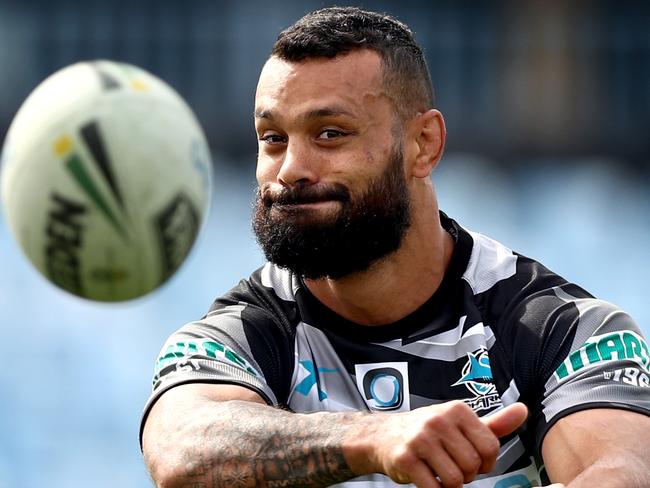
x=501 y=328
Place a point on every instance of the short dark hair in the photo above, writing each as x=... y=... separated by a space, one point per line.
x=333 y=31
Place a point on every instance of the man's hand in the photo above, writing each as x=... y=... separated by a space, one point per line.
x=221 y=435
x=443 y=445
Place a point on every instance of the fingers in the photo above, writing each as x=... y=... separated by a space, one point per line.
x=421 y=476
x=447 y=468
x=462 y=439
x=457 y=445
x=445 y=445
x=407 y=467
x=506 y=420
x=465 y=454
x=499 y=424
x=484 y=442
x=467 y=447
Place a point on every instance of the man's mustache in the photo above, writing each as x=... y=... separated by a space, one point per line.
x=300 y=194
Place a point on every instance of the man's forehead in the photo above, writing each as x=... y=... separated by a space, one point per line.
x=351 y=75
x=365 y=61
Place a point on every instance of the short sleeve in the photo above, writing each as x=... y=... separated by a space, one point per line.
x=588 y=354
x=236 y=344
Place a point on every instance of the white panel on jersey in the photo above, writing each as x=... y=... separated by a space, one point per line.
x=320 y=381
x=449 y=345
x=489 y=263
x=511 y=395
x=282 y=281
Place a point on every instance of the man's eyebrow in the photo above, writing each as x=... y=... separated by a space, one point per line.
x=261 y=113
x=316 y=113
x=326 y=112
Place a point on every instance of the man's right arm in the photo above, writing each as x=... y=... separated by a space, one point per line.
x=208 y=436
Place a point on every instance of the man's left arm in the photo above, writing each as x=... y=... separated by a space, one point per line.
x=599 y=447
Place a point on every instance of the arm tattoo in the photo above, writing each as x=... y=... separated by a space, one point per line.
x=249 y=445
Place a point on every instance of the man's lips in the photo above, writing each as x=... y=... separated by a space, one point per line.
x=306 y=196
x=314 y=204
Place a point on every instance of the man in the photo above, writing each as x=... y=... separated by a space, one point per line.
x=383 y=343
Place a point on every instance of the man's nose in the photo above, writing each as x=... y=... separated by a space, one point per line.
x=298 y=166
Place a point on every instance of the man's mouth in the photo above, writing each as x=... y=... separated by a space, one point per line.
x=306 y=205
x=306 y=197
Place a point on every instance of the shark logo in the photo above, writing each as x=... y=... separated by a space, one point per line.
x=477 y=378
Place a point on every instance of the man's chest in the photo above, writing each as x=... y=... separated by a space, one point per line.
x=334 y=374
x=401 y=375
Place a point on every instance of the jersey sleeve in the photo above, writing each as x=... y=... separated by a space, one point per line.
x=216 y=349
x=573 y=352
x=239 y=343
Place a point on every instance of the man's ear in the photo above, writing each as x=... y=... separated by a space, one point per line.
x=430 y=133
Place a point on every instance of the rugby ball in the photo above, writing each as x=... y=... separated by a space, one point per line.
x=106 y=180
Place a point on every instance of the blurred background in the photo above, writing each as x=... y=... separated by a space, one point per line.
x=547 y=106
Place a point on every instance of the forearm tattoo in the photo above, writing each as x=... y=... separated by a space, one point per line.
x=252 y=445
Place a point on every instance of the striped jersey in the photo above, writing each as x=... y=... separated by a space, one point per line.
x=501 y=328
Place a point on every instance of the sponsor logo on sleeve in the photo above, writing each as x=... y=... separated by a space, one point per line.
x=614 y=346
x=384 y=386
x=629 y=376
x=180 y=354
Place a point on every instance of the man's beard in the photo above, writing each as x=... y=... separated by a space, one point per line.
x=365 y=229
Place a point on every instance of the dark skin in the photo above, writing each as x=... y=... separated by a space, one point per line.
x=332 y=121
x=244 y=442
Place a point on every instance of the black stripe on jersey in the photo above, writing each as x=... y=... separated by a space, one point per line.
x=527 y=318
x=272 y=350
x=269 y=330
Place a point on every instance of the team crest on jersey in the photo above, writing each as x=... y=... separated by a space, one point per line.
x=477 y=378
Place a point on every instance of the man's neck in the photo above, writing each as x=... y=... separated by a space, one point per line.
x=398 y=284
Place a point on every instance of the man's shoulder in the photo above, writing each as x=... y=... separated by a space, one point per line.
x=489 y=267
x=513 y=291
x=522 y=299
x=489 y=263
x=269 y=290
x=494 y=267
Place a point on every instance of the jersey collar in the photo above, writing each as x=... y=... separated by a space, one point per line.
x=447 y=295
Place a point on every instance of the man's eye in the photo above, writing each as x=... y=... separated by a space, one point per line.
x=272 y=138
x=330 y=134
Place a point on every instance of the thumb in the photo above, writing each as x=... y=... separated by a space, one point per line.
x=556 y=485
x=506 y=420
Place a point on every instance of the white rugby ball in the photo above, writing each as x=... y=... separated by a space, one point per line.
x=106 y=180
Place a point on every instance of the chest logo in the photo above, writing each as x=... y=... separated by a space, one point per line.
x=477 y=378
x=384 y=386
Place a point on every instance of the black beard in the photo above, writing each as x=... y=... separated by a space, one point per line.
x=365 y=229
